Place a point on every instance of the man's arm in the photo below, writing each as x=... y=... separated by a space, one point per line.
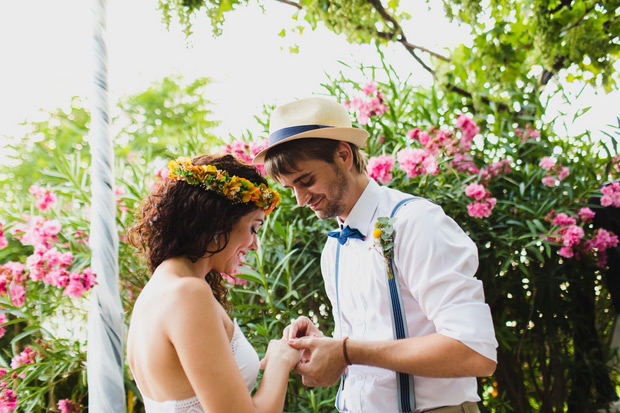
x=434 y=355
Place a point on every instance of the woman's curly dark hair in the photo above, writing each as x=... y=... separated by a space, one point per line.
x=180 y=220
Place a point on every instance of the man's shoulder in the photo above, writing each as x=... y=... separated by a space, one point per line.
x=389 y=198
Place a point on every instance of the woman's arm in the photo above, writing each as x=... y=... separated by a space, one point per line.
x=202 y=345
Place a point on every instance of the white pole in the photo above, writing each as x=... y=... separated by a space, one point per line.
x=106 y=328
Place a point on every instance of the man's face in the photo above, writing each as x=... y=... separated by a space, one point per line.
x=320 y=185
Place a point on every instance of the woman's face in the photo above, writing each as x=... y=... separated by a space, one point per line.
x=242 y=238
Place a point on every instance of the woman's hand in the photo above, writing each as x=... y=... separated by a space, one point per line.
x=301 y=327
x=279 y=351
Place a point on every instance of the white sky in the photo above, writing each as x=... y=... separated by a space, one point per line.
x=46 y=58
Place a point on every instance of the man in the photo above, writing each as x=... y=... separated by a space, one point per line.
x=314 y=151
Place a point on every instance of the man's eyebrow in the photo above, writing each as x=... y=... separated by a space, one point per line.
x=299 y=178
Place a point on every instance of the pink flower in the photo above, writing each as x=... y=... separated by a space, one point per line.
x=18 y=294
x=45 y=198
x=566 y=252
x=8 y=401
x=481 y=209
x=563 y=220
x=162 y=173
x=3 y=242
x=476 y=191
x=256 y=147
x=28 y=356
x=564 y=172
x=468 y=127
x=51 y=228
x=3 y=320
x=370 y=88
x=464 y=162
x=16 y=268
x=611 y=195
x=410 y=161
x=424 y=138
x=379 y=168
x=586 y=214
x=573 y=235
x=234 y=280
x=604 y=239
x=549 y=181
x=67 y=406
x=546 y=163
x=80 y=283
x=413 y=134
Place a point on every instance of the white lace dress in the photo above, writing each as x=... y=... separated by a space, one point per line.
x=246 y=359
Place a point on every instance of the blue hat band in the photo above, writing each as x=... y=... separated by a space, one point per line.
x=284 y=133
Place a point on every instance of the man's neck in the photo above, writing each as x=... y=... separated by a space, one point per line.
x=357 y=186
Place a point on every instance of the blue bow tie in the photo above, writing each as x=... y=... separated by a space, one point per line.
x=345 y=234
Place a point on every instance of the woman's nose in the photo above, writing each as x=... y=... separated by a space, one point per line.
x=254 y=244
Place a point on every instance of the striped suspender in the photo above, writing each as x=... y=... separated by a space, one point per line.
x=404 y=382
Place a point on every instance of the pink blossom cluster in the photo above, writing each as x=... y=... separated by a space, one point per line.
x=231 y=279
x=602 y=240
x=67 y=406
x=379 y=168
x=550 y=165
x=45 y=198
x=247 y=151
x=495 y=169
x=616 y=163
x=483 y=203
x=3 y=241
x=611 y=195
x=8 y=399
x=3 y=320
x=12 y=283
x=46 y=264
x=529 y=133
x=28 y=356
x=370 y=106
x=36 y=231
x=435 y=140
x=572 y=236
x=416 y=162
x=469 y=130
x=161 y=173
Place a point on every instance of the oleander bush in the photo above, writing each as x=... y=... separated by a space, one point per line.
x=527 y=195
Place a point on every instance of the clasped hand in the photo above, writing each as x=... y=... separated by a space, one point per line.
x=322 y=361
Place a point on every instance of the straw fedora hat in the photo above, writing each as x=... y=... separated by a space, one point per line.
x=313 y=117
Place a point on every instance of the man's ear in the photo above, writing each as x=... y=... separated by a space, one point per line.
x=344 y=155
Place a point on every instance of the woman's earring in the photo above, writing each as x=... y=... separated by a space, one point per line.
x=216 y=239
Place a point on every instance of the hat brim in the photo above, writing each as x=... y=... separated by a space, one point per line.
x=355 y=136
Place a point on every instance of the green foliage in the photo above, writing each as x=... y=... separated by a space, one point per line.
x=551 y=313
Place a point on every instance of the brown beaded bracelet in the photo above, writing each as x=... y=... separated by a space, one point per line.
x=344 y=351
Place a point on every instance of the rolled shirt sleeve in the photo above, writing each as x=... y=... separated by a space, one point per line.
x=437 y=262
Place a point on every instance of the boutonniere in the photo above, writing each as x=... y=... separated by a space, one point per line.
x=384 y=239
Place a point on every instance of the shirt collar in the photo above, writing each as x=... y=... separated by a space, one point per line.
x=364 y=209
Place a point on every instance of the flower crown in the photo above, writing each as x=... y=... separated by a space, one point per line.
x=233 y=188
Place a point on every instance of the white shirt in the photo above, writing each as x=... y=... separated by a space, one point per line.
x=436 y=262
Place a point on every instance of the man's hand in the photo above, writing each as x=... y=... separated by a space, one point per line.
x=301 y=327
x=326 y=363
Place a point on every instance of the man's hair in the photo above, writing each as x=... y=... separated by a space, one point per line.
x=282 y=159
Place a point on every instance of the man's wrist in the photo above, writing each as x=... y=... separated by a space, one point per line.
x=345 y=352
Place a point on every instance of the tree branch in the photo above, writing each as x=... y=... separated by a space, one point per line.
x=560 y=6
x=291 y=3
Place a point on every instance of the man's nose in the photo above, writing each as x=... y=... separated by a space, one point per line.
x=302 y=197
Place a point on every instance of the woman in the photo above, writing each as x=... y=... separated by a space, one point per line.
x=186 y=354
